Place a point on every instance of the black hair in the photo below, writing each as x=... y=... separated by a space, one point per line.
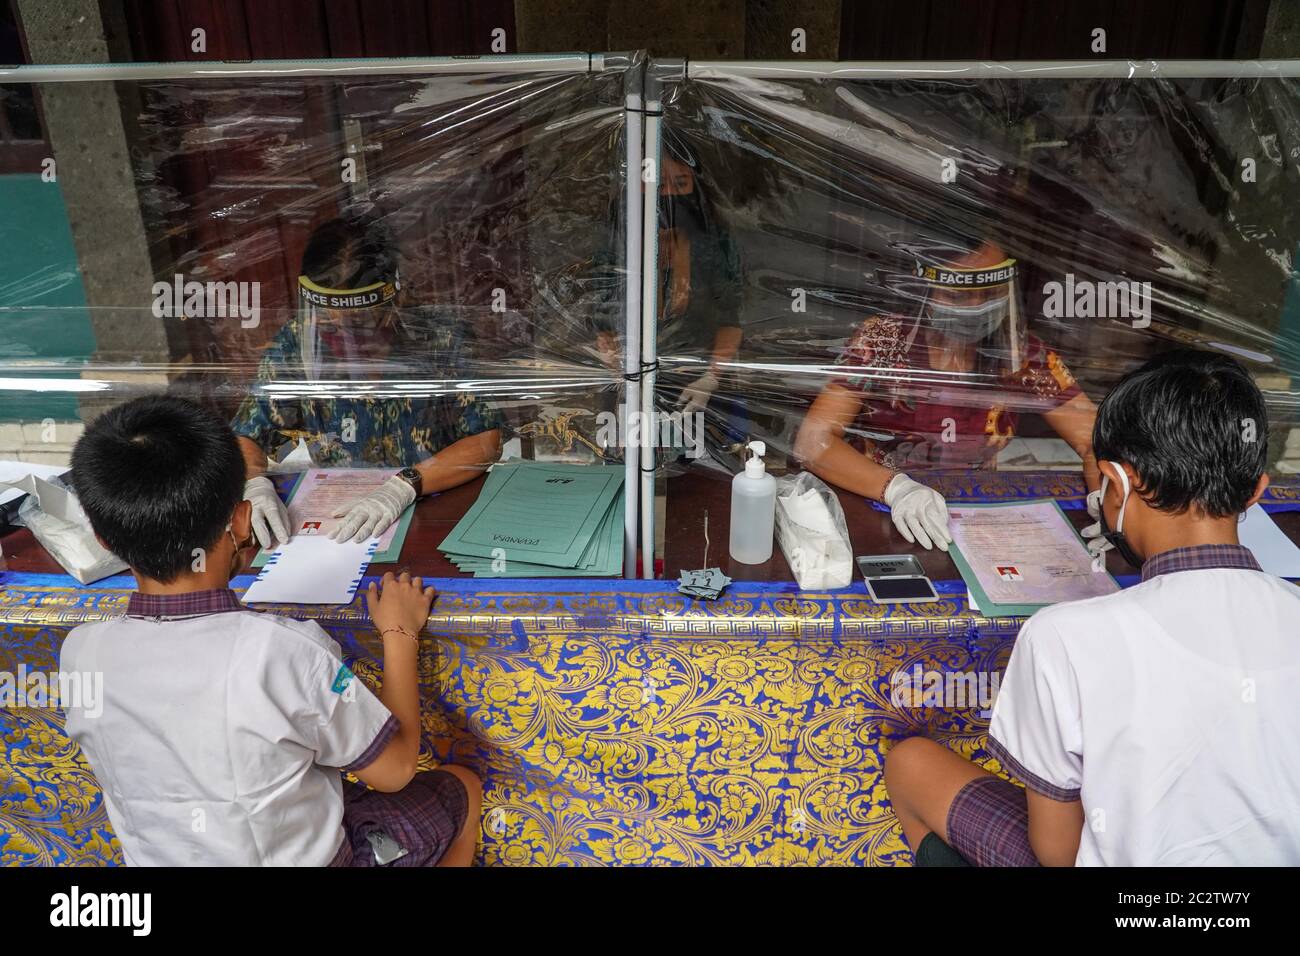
x=944 y=246
x=1193 y=425
x=158 y=477
x=354 y=250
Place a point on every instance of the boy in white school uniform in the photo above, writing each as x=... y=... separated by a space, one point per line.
x=1152 y=727
x=223 y=730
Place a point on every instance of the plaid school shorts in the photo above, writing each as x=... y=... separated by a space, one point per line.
x=988 y=824
x=424 y=817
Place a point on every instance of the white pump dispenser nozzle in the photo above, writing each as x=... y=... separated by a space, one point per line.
x=754 y=467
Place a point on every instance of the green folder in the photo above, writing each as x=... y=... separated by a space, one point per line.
x=605 y=555
x=535 y=513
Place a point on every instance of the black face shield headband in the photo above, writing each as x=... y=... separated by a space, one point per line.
x=343 y=325
x=981 y=277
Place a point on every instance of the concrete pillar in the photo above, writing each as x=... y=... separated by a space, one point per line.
x=83 y=122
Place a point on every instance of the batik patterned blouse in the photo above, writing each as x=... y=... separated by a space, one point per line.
x=341 y=431
x=914 y=415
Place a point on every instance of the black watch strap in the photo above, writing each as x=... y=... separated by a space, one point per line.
x=412 y=478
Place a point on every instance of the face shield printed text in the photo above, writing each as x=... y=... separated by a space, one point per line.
x=367 y=297
x=981 y=278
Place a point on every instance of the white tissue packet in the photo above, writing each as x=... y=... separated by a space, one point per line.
x=812 y=532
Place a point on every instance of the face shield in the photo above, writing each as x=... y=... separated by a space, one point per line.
x=976 y=305
x=346 y=330
x=968 y=306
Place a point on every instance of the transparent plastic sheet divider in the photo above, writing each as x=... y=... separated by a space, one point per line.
x=931 y=266
x=374 y=258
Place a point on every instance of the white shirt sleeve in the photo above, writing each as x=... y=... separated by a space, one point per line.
x=350 y=726
x=1036 y=732
x=355 y=726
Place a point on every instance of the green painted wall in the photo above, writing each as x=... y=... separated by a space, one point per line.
x=43 y=316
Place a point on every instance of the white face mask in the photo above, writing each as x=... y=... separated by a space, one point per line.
x=969 y=323
x=360 y=332
x=1117 y=537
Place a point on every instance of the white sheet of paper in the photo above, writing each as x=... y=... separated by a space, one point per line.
x=1275 y=552
x=312 y=570
x=1025 y=454
x=1027 y=554
x=297 y=460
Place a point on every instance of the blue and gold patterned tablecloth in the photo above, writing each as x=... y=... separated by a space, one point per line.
x=613 y=722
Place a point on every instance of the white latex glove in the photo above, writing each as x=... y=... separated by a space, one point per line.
x=270 y=516
x=371 y=515
x=1096 y=544
x=920 y=514
x=695 y=396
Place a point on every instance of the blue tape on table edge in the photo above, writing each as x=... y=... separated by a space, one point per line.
x=125 y=582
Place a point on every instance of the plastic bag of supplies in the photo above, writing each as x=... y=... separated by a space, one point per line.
x=56 y=520
x=812 y=532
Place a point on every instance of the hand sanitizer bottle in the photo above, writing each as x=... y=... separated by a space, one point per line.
x=753 y=509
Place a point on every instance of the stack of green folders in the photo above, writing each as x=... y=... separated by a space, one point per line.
x=534 y=519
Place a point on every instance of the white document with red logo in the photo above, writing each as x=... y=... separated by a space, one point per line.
x=322 y=491
x=1019 y=556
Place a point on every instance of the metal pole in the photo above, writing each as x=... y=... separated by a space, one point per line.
x=634 y=121
x=650 y=312
x=1017 y=70
x=369 y=66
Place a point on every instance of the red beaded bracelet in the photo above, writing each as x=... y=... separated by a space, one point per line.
x=400 y=630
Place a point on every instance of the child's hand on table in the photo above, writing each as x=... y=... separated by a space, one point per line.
x=401 y=606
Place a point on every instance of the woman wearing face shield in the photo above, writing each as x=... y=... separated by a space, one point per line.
x=346 y=340
x=940 y=390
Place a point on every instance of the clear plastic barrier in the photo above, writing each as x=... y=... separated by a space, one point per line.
x=372 y=258
x=941 y=269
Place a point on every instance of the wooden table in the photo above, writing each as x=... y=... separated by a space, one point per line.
x=870 y=532
x=689 y=497
x=434 y=518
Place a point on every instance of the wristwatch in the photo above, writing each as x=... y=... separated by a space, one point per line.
x=412 y=478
